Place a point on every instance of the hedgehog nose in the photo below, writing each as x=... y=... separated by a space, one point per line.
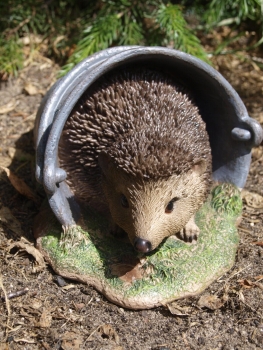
x=141 y=245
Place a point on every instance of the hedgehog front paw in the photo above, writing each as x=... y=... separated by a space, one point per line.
x=190 y=232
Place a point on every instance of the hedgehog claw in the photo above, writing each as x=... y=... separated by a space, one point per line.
x=190 y=232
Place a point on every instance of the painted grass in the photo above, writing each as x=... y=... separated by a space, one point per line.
x=174 y=270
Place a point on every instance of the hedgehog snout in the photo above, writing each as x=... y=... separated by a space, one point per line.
x=142 y=245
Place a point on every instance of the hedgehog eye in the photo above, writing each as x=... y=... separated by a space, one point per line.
x=124 y=201
x=170 y=206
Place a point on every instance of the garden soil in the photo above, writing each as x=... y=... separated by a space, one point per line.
x=39 y=310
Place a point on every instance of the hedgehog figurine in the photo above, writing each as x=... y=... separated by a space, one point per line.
x=136 y=150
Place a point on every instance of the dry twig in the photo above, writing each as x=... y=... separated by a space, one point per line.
x=7 y=307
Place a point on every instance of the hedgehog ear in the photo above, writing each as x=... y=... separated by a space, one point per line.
x=104 y=162
x=200 y=166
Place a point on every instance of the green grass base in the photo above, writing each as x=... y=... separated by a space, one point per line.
x=175 y=270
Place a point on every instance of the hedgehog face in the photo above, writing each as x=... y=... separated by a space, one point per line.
x=151 y=210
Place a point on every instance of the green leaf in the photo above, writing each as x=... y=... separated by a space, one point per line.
x=177 y=34
x=98 y=36
x=237 y=10
x=11 y=56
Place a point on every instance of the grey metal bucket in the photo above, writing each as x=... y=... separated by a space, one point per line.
x=231 y=131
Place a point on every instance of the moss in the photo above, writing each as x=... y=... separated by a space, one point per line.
x=173 y=270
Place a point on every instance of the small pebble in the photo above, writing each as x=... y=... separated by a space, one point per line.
x=121 y=310
x=201 y=341
x=60 y=281
x=10 y=338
